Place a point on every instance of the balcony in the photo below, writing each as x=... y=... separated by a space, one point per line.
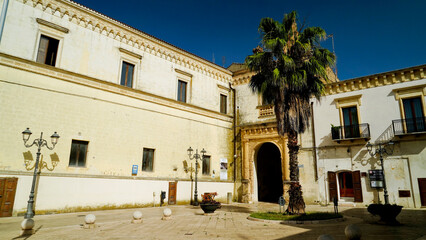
x=409 y=126
x=266 y=111
x=350 y=132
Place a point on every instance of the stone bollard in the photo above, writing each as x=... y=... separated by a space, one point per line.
x=167 y=214
x=353 y=232
x=89 y=221
x=27 y=227
x=137 y=217
x=325 y=237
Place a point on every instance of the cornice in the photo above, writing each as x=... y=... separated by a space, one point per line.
x=376 y=80
x=52 y=25
x=242 y=77
x=371 y=81
x=97 y=22
x=76 y=78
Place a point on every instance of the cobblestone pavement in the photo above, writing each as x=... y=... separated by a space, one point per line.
x=230 y=222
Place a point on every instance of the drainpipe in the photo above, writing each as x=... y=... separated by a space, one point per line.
x=234 y=131
x=3 y=17
x=411 y=180
x=314 y=143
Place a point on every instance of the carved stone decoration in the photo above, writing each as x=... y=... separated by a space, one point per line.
x=252 y=138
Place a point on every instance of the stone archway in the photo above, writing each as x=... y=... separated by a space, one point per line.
x=252 y=139
x=269 y=173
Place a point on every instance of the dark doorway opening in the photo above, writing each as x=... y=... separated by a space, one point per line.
x=346 y=184
x=269 y=174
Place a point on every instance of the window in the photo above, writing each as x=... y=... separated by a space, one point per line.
x=47 y=50
x=181 y=91
x=350 y=122
x=127 y=74
x=78 y=153
x=206 y=165
x=223 y=103
x=148 y=160
x=413 y=111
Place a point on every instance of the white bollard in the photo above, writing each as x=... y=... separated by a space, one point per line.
x=27 y=227
x=167 y=214
x=89 y=221
x=137 y=217
x=353 y=232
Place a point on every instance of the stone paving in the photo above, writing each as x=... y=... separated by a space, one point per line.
x=230 y=222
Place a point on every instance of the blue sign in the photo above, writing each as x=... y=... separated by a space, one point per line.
x=135 y=170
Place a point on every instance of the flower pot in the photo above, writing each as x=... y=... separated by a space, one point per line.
x=209 y=207
x=387 y=213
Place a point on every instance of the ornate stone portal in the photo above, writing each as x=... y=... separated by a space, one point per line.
x=252 y=138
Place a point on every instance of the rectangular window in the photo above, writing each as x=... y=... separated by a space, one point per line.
x=78 y=153
x=414 y=118
x=181 y=91
x=148 y=160
x=127 y=74
x=206 y=165
x=223 y=103
x=47 y=50
x=350 y=121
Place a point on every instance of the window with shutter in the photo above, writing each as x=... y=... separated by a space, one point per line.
x=47 y=50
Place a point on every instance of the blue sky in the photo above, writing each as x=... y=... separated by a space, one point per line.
x=369 y=36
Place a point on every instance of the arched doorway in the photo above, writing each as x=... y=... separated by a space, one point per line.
x=269 y=174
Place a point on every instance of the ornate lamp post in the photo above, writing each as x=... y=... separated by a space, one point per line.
x=39 y=143
x=196 y=156
x=382 y=149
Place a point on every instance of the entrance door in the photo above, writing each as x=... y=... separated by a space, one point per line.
x=269 y=173
x=422 y=188
x=346 y=185
x=7 y=195
x=172 y=193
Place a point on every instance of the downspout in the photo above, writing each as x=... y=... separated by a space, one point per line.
x=314 y=144
x=3 y=17
x=411 y=180
x=234 y=131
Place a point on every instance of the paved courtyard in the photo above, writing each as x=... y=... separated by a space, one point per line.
x=230 y=222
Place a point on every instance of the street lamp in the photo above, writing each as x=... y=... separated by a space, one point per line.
x=382 y=149
x=196 y=156
x=39 y=143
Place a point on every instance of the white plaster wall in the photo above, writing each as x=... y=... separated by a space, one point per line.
x=247 y=101
x=62 y=192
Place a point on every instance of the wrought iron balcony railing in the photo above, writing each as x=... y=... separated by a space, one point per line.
x=350 y=132
x=409 y=126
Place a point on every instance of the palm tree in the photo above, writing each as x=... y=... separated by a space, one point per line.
x=291 y=67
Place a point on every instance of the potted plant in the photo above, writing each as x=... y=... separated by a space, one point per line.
x=208 y=204
x=387 y=212
x=335 y=132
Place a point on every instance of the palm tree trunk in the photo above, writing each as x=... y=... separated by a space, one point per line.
x=296 y=204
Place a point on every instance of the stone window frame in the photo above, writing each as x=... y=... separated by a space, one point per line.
x=410 y=92
x=345 y=102
x=223 y=91
x=132 y=58
x=54 y=31
x=184 y=77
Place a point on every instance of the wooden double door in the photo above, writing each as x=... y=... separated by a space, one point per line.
x=7 y=195
x=345 y=184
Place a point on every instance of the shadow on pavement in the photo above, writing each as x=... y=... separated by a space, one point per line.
x=28 y=236
x=232 y=208
x=412 y=226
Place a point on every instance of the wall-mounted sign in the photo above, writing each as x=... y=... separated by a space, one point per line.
x=134 y=170
x=223 y=169
x=376 y=178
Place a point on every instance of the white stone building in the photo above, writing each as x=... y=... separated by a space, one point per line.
x=119 y=99
x=379 y=108
x=127 y=106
